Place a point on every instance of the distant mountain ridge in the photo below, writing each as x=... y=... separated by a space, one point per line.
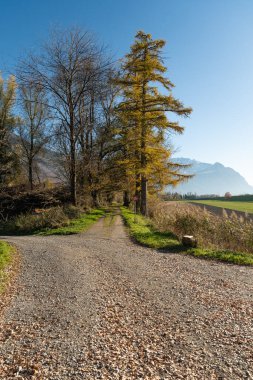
x=211 y=179
x=208 y=178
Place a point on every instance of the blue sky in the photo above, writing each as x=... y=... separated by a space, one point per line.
x=209 y=55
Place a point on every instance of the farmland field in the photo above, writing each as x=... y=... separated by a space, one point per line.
x=232 y=205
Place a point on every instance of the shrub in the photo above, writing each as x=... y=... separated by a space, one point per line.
x=72 y=212
x=211 y=231
x=51 y=218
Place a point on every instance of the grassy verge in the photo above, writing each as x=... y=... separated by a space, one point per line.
x=239 y=258
x=53 y=222
x=75 y=226
x=5 y=259
x=142 y=231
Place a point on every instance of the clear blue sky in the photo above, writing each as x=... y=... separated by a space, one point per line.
x=209 y=54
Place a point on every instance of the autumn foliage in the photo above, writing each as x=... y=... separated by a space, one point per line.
x=108 y=128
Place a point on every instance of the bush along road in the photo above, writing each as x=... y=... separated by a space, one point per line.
x=96 y=306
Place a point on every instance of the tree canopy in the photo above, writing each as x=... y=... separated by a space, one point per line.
x=109 y=127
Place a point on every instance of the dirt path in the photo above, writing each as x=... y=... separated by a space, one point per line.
x=96 y=306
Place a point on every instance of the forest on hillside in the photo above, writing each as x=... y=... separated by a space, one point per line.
x=106 y=123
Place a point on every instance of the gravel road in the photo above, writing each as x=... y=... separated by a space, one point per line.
x=96 y=306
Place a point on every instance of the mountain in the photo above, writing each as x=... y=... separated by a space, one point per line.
x=208 y=178
x=48 y=168
x=211 y=179
x=46 y=164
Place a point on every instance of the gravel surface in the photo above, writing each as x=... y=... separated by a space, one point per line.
x=96 y=306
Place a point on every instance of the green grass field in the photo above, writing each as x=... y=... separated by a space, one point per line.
x=232 y=205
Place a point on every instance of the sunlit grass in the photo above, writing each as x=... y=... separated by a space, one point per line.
x=76 y=226
x=141 y=230
x=5 y=259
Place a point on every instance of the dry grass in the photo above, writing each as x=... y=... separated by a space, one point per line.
x=51 y=218
x=211 y=231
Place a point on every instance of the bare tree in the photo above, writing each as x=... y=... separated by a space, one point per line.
x=66 y=69
x=100 y=150
x=7 y=123
x=33 y=129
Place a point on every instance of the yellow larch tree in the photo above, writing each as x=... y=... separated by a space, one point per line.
x=144 y=113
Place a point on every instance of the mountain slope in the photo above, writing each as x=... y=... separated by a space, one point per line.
x=212 y=179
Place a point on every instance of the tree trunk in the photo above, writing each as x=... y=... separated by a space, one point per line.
x=72 y=164
x=94 y=195
x=143 y=147
x=30 y=158
x=30 y=174
x=126 y=198
x=144 y=208
x=73 y=178
x=137 y=194
x=109 y=198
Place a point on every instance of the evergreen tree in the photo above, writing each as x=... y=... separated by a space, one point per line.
x=144 y=116
x=7 y=122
